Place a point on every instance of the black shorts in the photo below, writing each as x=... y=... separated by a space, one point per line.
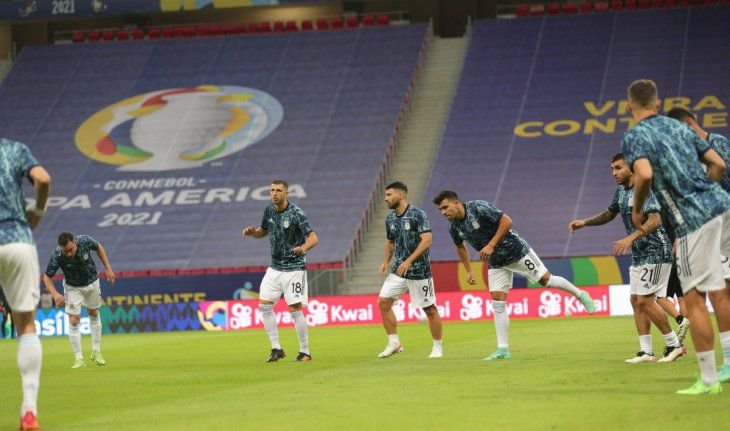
x=673 y=286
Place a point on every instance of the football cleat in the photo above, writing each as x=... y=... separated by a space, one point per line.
x=641 y=357
x=303 y=357
x=587 y=301
x=436 y=352
x=29 y=421
x=390 y=350
x=276 y=354
x=723 y=374
x=682 y=329
x=500 y=353
x=700 y=388
x=79 y=363
x=672 y=353
x=97 y=357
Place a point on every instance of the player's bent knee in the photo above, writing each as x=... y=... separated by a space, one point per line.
x=385 y=303
x=92 y=312
x=74 y=319
x=431 y=310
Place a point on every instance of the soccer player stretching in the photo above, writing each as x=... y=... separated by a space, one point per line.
x=489 y=231
x=291 y=238
x=651 y=264
x=665 y=157
x=408 y=233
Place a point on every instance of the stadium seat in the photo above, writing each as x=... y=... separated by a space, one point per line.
x=537 y=10
x=307 y=25
x=122 y=35
x=670 y=3
x=291 y=26
x=153 y=33
x=179 y=31
x=93 y=36
x=383 y=19
x=570 y=8
x=630 y=4
x=239 y=28
x=202 y=31
x=253 y=28
x=168 y=32
x=336 y=22
x=228 y=29
x=644 y=4
x=617 y=5
x=279 y=27
x=137 y=34
x=586 y=7
x=107 y=36
x=522 y=10
x=601 y=6
x=78 y=36
x=322 y=24
x=553 y=8
x=368 y=21
x=265 y=27
x=351 y=21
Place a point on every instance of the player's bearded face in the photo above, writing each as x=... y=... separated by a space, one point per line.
x=449 y=209
x=69 y=250
x=277 y=193
x=621 y=172
x=392 y=199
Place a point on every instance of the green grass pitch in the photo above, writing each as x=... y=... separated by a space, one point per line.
x=566 y=374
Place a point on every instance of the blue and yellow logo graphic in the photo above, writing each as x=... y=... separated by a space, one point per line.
x=179 y=128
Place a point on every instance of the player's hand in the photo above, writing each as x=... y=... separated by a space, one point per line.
x=638 y=218
x=248 y=230
x=383 y=269
x=575 y=225
x=470 y=278
x=299 y=251
x=486 y=252
x=32 y=218
x=403 y=268
x=622 y=246
x=59 y=299
x=111 y=278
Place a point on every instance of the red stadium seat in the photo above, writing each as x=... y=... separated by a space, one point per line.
x=570 y=8
x=537 y=10
x=336 y=22
x=78 y=36
x=93 y=36
x=630 y=4
x=351 y=21
x=239 y=28
x=586 y=7
x=253 y=27
x=107 y=35
x=383 y=19
x=553 y=8
x=307 y=25
x=322 y=24
x=201 y=31
x=601 y=6
x=291 y=26
x=265 y=27
x=522 y=10
x=644 y=4
x=153 y=33
x=137 y=34
x=228 y=29
x=168 y=33
x=368 y=21
x=617 y=5
x=670 y=3
x=178 y=32
x=122 y=35
x=279 y=27
x=214 y=30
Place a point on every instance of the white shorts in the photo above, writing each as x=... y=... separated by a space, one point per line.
x=529 y=265
x=86 y=296
x=422 y=292
x=725 y=260
x=699 y=255
x=649 y=279
x=20 y=276
x=292 y=284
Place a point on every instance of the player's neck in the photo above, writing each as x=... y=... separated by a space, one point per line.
x=643 y=114
x=461 y=213
x=402 y=207
x=281 y=206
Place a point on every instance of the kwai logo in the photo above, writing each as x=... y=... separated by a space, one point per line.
x=178 y=128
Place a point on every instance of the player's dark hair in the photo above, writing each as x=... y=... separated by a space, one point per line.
x=643 y=92
x=65 y=238
x=397 y=185
x=445 y=194
x=616 y=157
x=680 y=114
x=281 y=183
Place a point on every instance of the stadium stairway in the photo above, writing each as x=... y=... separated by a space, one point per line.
x=414 y=155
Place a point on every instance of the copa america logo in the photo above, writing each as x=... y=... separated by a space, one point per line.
x=178 y=128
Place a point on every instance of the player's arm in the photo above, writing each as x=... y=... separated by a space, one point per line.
x=596 y=220
x=465 y=259
x=309 y=244
x=389 y=249
x=426 y=241
x=42 y=184
x=715 y=165
x=652 y=223
x=255 y=232
x=643 y=175
x=505 y=224
x=107 y=267
x=51 y=288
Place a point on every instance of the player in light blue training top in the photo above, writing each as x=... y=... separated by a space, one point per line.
x=81 y=288
x=651 y=264
x=665 y=157
x=291 y=238
x=489 y=230
x=408 y=233
x=19 y=272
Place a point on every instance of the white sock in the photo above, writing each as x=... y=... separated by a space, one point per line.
x=725 y=343
x=501 y=323
x=708 y=373
x=393 y=339
x=671 y=339
x=30 y=358
x=300 y=324
x=95 y=333
x=645 y=344
x=559 y=282
x=269 y=319
x=74 y=335
x=438 y=344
